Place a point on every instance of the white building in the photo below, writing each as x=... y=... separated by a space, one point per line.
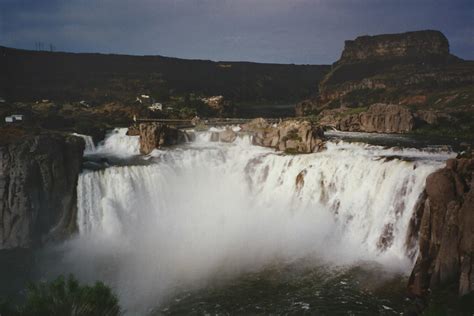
x=14 y=118
x=17 y=117
x=156 y=107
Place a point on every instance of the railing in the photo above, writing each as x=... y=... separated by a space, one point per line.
x=214 y=121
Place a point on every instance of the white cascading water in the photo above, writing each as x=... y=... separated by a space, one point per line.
x=208 y=210
x=89 y=143
x=117 y=143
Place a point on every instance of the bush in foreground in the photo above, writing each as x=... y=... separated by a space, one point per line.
x=64 y=297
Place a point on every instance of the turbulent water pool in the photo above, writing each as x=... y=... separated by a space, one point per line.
x=221 y=228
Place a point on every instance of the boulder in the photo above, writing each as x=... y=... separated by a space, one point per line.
x=446 y=234
x=133 y=130
x=227 y=136
x=255 y=125
x=156 y=135
x=38 y=180
x=291 y=136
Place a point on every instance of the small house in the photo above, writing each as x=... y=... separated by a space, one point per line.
x=156 y=107
x=17 y=117
x=9 y=119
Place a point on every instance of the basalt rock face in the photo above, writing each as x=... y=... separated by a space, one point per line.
x=446 y=232
x=289 y=136
x=380 y=118
x=410 y=44
x=413 y=70
x=38 y=179
x=156 y=135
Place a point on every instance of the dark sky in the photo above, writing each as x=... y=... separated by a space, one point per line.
x=282 y=31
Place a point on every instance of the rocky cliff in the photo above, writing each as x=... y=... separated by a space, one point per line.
x=413 y=70
x=38 y=178
x=379 y=118
x=446 y=230
x=156 y=135
x=411 y=44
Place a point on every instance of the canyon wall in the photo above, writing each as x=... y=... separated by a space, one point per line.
x=446 y=230
x=38 y=178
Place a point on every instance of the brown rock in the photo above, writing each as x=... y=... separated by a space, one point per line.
x=38 y=181
x=410 y=44
x=156 y=135
x=446 y=237
x=301 y=136
x=255 y=125
x=227 y=136
x=386 y=118
x=133 y=130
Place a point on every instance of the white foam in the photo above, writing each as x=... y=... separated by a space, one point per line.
x=208 y=209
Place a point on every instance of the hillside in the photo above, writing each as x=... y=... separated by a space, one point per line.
x=405 y=82
x=32 y=75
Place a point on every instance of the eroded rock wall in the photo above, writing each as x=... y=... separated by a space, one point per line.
x=410 y=44
x=446 y=232
x=290 y=136
x=38 y=179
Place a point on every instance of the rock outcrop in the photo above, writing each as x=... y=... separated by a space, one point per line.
x=157 y=135
x=380 y=118
x=38 y=179
x=413 y=70
x=226 y=136
x=289 y=136
x=446 y=230
x=410 y=44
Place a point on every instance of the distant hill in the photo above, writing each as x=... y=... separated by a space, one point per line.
x=32 y=75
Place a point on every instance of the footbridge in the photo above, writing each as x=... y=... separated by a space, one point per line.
x=182 y=123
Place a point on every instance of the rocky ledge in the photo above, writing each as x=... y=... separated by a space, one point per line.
x=38 y=179
x=290 y=136
x=157 y=135
x=446 y=230
x=379 y=118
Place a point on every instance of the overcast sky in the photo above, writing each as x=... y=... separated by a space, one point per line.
x=281 y=31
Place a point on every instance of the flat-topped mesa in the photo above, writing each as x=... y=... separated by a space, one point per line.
x=417 y=44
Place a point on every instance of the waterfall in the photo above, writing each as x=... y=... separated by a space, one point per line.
x=117 y=143
x=90 y=146
x=210 y=208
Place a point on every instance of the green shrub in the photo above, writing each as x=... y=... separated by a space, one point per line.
x=63 y=297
